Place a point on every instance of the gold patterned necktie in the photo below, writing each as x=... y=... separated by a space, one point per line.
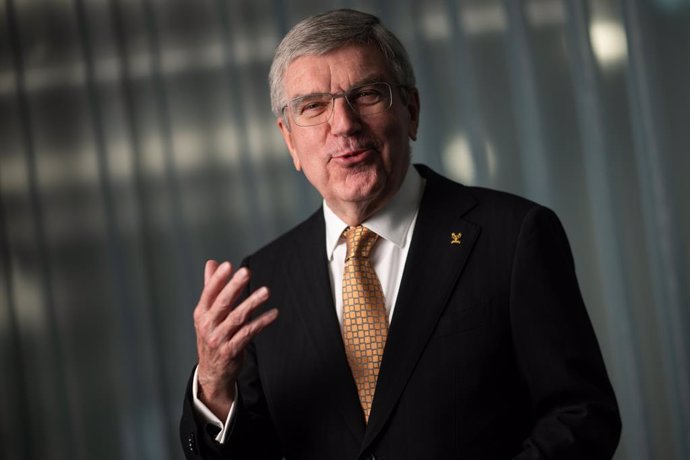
x=365 y=323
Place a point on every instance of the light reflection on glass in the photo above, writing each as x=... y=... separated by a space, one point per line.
x=609 y=42
x=484 y=18
x=542 y=13
x=435 y=24
x=458 y=161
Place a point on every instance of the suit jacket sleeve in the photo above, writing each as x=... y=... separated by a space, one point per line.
x=556 y=350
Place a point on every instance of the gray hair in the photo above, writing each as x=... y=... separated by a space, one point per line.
x=326 y=32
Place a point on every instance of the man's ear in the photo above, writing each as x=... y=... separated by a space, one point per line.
x=413 y=111
x=287 y=137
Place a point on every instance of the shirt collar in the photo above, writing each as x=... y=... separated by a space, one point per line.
x=391 y=223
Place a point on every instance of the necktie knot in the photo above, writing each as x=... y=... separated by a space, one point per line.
x=359 y=242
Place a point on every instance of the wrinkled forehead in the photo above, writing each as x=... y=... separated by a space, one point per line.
x=335 y=71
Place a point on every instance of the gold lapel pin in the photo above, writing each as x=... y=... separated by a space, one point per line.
x=455 y=238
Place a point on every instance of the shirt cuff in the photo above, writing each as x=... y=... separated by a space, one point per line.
x=206 y=413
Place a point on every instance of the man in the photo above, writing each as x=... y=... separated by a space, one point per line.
x=419 y=319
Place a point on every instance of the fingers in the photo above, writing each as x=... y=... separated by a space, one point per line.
x=209 y=270
x=217 y=319
x=214 y=283
x=227 y=297
x=246 y=333
x=240 y=316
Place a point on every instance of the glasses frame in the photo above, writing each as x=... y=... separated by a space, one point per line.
x=345 y=95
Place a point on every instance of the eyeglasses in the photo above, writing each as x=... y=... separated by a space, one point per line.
x=315 y=109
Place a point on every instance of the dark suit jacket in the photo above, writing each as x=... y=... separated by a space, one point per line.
x=490 y=353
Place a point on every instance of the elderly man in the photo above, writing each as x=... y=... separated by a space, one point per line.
x=419 y=318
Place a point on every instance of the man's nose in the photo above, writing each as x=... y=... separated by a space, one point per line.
x=344 y=121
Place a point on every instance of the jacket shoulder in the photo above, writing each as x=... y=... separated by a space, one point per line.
x=474 y=199
x=311 y=229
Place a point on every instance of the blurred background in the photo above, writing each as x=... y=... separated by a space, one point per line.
x=137 y=141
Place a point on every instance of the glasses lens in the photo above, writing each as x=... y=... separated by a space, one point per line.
x=315 y=109
x=370 y=99
x=312 y=109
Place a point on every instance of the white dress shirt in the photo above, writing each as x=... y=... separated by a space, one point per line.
x=395 y=225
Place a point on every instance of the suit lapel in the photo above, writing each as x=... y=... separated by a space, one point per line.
x=311 y=285
x=432 y=269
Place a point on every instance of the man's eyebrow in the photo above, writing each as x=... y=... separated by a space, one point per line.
x=376 y=78
x=299 y=96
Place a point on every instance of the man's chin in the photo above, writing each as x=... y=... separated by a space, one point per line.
x=363 y=188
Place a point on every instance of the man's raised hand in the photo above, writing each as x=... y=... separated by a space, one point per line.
x=223 y=330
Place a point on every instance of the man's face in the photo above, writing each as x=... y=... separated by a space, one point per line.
x=351 y=160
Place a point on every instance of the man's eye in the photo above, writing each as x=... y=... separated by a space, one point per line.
x=312 y=107
x=366 y=95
